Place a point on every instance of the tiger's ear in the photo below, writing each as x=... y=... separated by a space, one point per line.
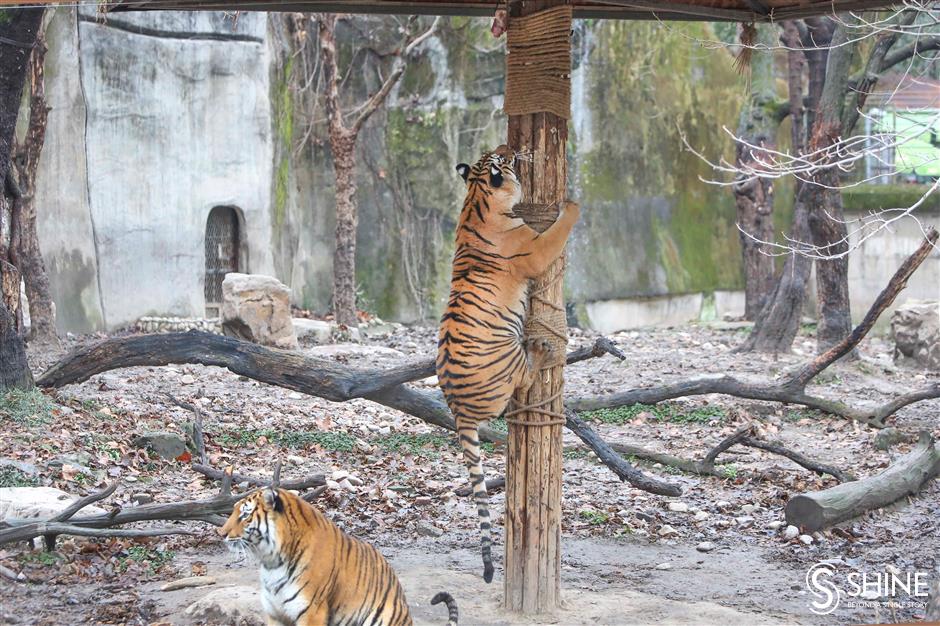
x=272 y=500
x=464 y=170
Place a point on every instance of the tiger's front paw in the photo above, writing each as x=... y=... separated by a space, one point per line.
x=570 y=211
x=539 y=351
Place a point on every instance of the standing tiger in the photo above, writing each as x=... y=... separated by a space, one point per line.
x=313 y=574
x=482 y=355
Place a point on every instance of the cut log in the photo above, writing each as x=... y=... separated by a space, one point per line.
x=906 y=476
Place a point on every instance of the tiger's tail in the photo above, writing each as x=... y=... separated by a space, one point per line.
x=447 y=599
x=468 y=433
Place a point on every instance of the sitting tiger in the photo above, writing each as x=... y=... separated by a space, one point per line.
x=483 y=356
x=311 y=572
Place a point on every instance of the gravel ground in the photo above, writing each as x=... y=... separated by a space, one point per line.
x=621 y=545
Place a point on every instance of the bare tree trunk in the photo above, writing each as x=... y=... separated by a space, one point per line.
x=824 y=199
x=18 y=31
x=343 y=139
x=25 y=252
x=760 y=117
x=343 y=146
x=779 y=320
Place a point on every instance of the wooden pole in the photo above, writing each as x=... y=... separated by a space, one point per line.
x=534 y=453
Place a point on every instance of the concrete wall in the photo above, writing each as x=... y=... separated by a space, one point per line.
x=156 y=118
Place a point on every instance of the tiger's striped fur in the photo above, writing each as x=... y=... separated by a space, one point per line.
x=483 y=356
x=311 y=572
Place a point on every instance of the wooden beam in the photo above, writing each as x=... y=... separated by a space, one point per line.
x=534 y=453
x=732 y=11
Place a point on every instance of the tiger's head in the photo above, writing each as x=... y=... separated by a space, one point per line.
x=495 y=172
x=256 y=523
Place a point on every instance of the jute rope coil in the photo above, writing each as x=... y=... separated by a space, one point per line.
x=538 y=63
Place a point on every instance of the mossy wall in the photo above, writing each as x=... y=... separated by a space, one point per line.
x=650 y=226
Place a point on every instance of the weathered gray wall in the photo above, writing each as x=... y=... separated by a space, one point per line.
x=156 y=118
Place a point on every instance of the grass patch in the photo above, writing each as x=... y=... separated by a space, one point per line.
x=12 y=477
x=575 y=453
x=46 y=559
x=415 y=445
x=31 y=408
x=594 y=518
x=660 y=412
x=729 y=471
x=235 y=438
x=154 y=559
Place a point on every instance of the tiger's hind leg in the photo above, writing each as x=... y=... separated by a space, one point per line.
x=537 y=351
x=469 y=436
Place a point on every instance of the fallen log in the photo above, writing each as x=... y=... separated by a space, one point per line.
x=318 y=377
x=906 y=476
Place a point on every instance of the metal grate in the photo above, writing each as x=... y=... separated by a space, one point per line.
x=221 y=253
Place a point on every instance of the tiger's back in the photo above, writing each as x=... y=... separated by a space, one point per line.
x=312 y=572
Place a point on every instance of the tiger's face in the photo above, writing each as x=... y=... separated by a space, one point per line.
x=496 y=173
x=253 y=525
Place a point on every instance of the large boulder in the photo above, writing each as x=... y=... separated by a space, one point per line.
x=915 y=328
x=38 y=502
x=257 y=308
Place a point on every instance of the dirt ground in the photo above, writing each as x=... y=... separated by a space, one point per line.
x=628 y=558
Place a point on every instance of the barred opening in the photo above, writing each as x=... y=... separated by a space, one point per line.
x=222 y=254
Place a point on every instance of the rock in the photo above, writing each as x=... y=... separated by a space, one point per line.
x=257 y=308
x=38 y=502
x=915 y=329
x=141 y=498
x=679 y=507
x=664 y=566
x=238 y=606
x=187 y=379
x=313 y=331
x=889 y=437
x=354 y=480
x=345 y=484
x=332 y=484
x=744 y=521
x=806 y=539
x=422 y=501
x=775 y=525
x=667 y=531
x=701 y=516
x=428 y=530
x=166 y=445
x=26 y=468
x=339 y=475
x=748 y=509
x=705 y=546
x=186 y=583
x=791 y=532
x=722 y=504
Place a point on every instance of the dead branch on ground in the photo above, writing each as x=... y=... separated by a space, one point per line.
x=211 y=510
x=792 y=388
x=314 y=480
